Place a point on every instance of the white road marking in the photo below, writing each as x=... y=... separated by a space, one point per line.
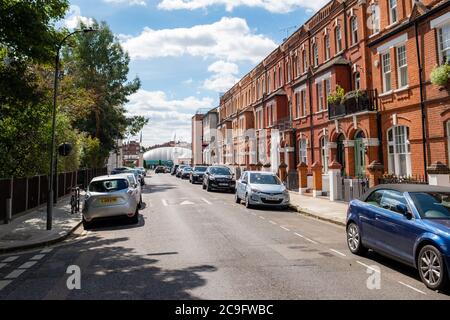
x=310 y=240
x=16 y=273
x=10 y=259
x=284 y=228
x=2 y=265
x=4 y=283
x=28 y=264
x=367 y=266
x=164 y=201
x=47 y=250
x=272 y=222
x=415 y=289
x=299 y=235
x=206 y=201
x=262 y=218
x=338 y=252
x=40 y=256
x=253 y=213
x=186 y=202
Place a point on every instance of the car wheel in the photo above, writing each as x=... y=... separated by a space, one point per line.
x=236 y=198
x=135 y=218
x=208 y=187
x=203 y=186
x=140 y=203
x=354 y=239
x=86 y=225
x=432 y=268
x=247 y=202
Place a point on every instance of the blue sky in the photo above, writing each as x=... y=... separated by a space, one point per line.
x=188 y=51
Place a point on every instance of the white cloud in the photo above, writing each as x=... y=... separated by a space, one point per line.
x=188 y=81
x=229 y=38
x=224 y=76
x=128 y=2
x=74 y=18
x=274 y=6
x=166 y=116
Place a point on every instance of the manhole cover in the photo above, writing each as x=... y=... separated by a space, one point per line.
x=16 y=236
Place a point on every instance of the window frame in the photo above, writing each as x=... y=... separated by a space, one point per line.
x=338 y=38
x=319 y=89
x=447 y=125
x=315 y=55
x=399 y=67
x=354 y=30
x=401 y=146
x=440 y=47
x=384 y=72
x=393 y=11
x=327 y=47
x=324 y=152
x=303 y=150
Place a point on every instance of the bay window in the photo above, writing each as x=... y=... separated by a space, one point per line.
x=444 y=43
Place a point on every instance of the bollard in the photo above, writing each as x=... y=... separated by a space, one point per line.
x=8 y=217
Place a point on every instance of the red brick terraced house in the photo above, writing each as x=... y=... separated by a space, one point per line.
x=381 y=53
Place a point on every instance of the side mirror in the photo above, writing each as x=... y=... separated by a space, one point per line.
x=403 y=209
x=244 y=182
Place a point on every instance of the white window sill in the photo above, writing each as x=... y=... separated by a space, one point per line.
x=392 y=24
x=401 y=89
x=321 y=111
x=374 y=35
x=301 y=118
x=387 y=93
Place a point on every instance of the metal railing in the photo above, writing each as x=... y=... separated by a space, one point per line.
x=354 y=102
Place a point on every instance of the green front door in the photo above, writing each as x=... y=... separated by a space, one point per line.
x=359 y=158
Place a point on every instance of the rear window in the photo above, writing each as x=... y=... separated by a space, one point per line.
x=108 y=185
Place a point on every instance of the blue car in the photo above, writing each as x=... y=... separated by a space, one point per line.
x=408 y=223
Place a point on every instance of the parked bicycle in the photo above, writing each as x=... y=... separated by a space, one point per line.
x=75 y=200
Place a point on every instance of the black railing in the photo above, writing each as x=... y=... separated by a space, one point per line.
x=292 y=180
x=393 y=179
x=354 y=102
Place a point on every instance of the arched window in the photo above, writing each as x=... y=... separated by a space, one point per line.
x=354 y=28
x=324 y=153
x=338 y=39
x=327 y=47
x=357 y=77
x=303 y=150
x=399 y=151
x=315 y=55
x=375 y=18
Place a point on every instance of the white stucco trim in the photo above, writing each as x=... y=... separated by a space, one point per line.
x=393 y=43
x=323 y=77
x=440 y=21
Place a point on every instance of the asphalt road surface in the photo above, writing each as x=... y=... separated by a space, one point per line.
x=193 y=244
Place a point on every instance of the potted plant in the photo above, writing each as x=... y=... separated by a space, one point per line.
x=440 y=74
x=336 y=97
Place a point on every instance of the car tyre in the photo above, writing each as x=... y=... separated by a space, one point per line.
x=432 y=269
x=236 y=198
x=354 y=240
x=86 y=225
x=135 y=218
x=208 y=187
x=203 y=186
x=247 y=202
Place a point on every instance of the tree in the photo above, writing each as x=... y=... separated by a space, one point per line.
x=135 y=124
x=98 y=63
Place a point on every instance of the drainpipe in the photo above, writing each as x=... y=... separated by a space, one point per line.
x=422 y=102
x=345 y=25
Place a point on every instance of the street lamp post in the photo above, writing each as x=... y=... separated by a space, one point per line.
x=52 y=144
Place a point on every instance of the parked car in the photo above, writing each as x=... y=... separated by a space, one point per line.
x=218 y=178
x=143 y=171
x=174 y=169
x=186 y=172
x=409 y=223
x=137 y=174
x=197 y=174
x=180 y=168
x=258 y=188
x=168 y=169
x=110 y=196
x=120 y=170
x=160 y=169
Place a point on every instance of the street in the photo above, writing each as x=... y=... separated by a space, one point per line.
x=193 y=244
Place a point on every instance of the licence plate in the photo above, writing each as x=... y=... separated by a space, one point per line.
x=223 y=184
x=108 y=200
x=272 y=198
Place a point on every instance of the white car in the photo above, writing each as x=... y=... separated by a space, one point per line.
x=259 y=188
x=110 y=196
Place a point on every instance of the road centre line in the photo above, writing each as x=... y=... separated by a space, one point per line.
x=307 y=239
x=411 y=287
x=338 y=252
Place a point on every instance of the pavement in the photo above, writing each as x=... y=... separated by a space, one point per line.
x=321 y=207
x=29 y=230
x=194 y=244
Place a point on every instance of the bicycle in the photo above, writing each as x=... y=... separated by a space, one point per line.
x=75 y=200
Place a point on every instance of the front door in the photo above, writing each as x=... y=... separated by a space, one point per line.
x=340 y=152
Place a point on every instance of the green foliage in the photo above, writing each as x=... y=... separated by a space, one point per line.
x=440 y=74
x=135 y=124
x=90 y=153
x=337 y=96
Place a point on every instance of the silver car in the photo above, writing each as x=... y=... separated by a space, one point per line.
x=110 y=196
x=258 y=188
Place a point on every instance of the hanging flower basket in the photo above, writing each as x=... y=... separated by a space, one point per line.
x=440 y=74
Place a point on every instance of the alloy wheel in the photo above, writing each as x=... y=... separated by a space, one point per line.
x=353 y=237
x=430 y=267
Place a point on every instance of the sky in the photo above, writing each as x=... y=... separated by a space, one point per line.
x=187 y=52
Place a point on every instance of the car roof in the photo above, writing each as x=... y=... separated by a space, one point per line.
x=260 y=172
x=406 y=187
x=110 y=177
